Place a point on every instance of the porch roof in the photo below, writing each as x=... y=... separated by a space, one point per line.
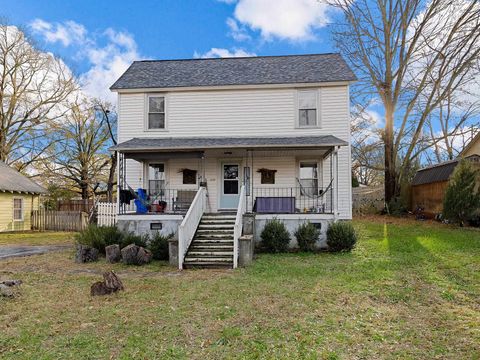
x=201 y=143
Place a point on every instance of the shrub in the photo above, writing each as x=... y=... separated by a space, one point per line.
x=341 y=236
x=397 y=207
x=99 y=236
x=159 y=246
x=275 y=237
x=92 y=236
x=462 y=200
x=131 y=238
x=307 y=235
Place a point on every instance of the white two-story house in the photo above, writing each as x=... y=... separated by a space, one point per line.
x=219 y=143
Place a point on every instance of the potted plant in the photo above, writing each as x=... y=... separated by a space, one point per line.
x=162 y=205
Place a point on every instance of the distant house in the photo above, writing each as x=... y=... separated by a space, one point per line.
x=430 y=183
x=18 y=197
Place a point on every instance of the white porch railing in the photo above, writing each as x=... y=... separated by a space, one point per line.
x=237 y=230
x=190 y=222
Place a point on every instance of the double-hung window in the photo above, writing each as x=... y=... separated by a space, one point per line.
x=156 y=112
x=307 y=108
x=308 y=178
x=17 y=209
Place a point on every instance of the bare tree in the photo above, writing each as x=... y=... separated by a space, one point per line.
x=411 y=55
x=80 y=158
x=33 y=88
x=110 y=118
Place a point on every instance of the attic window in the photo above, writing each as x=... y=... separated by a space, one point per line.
x=267 y=176
x=189 y=176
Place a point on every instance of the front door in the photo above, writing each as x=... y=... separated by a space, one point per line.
x=230 y=191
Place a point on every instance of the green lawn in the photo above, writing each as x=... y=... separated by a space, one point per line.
x=409 y=290
x=36 y=238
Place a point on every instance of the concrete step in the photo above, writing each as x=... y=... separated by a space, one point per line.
x=211 y=236
x=215 y=231
x=211 y=247
x=208 y=265
x=210 y=254
x=218 y=241
x=219 y=217
x=215 y=226
x=212 y=259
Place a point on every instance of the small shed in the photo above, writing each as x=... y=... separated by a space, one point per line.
x=18 y=197
x=430 y=183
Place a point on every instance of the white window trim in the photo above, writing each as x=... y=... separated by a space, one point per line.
x=145 y=122
x=146 y=172
x=319 y=170
x=297 y=109
x=22 y=208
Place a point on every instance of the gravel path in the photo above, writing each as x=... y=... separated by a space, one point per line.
x=9 y=251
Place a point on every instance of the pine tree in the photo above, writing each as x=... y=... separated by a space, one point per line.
x=462 y=198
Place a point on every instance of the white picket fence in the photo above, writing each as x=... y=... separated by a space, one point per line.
x=106 y=214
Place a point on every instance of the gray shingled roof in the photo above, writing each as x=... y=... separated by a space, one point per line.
x=435 y=173
x=289 y=69
x=182 y=144
x=12 y=180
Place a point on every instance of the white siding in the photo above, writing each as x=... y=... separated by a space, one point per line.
x=270 y=112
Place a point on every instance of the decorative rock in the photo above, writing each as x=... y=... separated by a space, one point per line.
x=110 y=284
x=129 y=254
x=86 y=254
x=144 y=256
x=136 y=255
x=6 y=291
x=112 y=253
x=7 y=287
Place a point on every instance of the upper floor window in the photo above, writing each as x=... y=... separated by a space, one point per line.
x=156 y=112
x=307 y=108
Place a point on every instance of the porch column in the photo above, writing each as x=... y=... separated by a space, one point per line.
x=335 y=183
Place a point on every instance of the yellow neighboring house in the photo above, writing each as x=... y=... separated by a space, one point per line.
x=472 y=148
x=18 y=197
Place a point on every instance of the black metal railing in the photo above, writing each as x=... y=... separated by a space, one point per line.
x=160 y=200
x=292 y=200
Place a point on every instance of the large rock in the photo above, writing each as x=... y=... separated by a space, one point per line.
x=110 y=284
x=112 y=253
x=136 y=255
x=86 y=254
x=144 y=256
x=129 y=254
x=8 y=287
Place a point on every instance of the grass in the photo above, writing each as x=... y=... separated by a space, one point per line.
x=36 y=238
x=409 y=290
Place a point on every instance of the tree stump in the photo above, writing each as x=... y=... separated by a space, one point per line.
x=112 y=253
x=7 y=287
x=110 y=284
x=86 y=254
x=144 y=256
x=129 y=254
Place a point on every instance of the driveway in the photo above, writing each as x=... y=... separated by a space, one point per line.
x=9 y=251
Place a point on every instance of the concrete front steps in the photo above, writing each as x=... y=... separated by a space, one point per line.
x=212 y=245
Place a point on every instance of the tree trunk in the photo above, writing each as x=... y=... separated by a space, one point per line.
x=390 y=172
x=111 y=176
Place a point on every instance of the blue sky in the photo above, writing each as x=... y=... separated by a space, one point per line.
x=98 y=39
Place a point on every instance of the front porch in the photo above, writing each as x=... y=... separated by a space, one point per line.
x=174 y=187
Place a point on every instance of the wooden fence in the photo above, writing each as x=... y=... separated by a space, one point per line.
x=85 y=205
x=59 y=220
x=106 y=214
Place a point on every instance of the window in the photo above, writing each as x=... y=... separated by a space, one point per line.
x=307 y=108
x=308 y=178
x=156 y=178
x=189 y=177
x=156 y=112
x=17 y=209
x=267 y=176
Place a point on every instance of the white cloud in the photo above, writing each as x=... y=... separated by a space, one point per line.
x=107 y=61
x=237 y=32
x=67 y=33
x=223 y=53
x=285 y=19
